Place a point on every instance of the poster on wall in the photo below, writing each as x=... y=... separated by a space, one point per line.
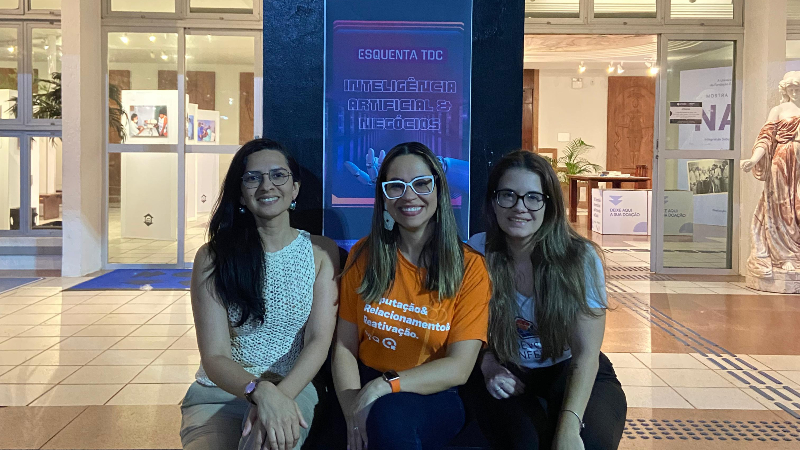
x=389 y=82
x=148 y=116
x=191 y=113
x=207 y=127
x=708 y=176
x=712 y=88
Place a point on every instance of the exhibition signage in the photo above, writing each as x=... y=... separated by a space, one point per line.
x=712 y=89
x=392 y=76
x=686 y=113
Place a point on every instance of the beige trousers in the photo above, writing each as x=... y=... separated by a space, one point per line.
x=213 y=419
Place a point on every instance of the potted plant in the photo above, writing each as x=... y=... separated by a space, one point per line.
x=573 y=163
x=47 y=103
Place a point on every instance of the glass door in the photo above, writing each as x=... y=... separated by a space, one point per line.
x=695 y=225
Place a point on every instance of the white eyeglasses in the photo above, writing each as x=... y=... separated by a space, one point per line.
x=395 y=189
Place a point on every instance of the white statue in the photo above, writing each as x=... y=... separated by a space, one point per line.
x=775 y=251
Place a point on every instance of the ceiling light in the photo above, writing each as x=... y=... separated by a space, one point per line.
x=11 y=49
x=581 y=68
x=620 y=69
x=653 y=71
x=124 y=38
x=152 y=38
x=46 y=47
x=610 y=68
x=164 y=56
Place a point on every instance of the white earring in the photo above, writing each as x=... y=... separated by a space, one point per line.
x=388 y=220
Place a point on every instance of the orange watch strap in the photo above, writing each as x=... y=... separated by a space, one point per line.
x=395 y=383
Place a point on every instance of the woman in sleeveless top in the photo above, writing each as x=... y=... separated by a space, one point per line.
x=543 y=382
x=264 y=301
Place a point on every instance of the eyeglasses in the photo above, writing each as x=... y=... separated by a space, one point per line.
x=506 y=198
x=397 y=188
x=278 y=177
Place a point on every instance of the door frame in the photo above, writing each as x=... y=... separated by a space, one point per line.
x=661 y=155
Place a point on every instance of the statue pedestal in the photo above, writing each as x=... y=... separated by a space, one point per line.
x=780 y=282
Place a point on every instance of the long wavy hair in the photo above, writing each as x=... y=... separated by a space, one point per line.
x=443 y=254
x=235 y=246
x=560 y=257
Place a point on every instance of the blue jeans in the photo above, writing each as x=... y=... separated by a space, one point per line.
x=407 y=421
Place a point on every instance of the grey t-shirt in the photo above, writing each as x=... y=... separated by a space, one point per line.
x=530 y=345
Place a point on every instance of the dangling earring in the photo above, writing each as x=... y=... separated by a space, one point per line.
x=242 y=210
x=388 y=220
x=293 y=205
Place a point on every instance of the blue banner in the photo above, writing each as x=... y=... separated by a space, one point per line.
x=389 y=82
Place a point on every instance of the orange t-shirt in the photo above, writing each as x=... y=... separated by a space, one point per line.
x=409 y=326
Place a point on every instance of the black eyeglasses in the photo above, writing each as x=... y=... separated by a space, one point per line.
x=506 y=198
x=278 y=177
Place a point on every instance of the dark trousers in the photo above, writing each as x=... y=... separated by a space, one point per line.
x=529 y=421
x=405 y=421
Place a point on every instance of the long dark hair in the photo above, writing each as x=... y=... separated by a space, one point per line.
x=234 y=244
x=442 y=255
x=560 y=257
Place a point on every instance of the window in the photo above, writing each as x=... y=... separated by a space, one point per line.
x=793 y=10
x=552 y=9
x=48 y=5
x=46 y=59
x=701 y=9
x=221 y=6
x=9 y=68
x=625 y=9
x=30 y=143
x=157 y=6
x=45 y=163
x=143 y=110
x=9 y=183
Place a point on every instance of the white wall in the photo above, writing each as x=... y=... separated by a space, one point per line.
x=579 y=112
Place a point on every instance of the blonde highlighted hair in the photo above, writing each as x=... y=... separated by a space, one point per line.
x=443 y=254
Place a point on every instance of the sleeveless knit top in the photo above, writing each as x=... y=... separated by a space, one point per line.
x=288 y=293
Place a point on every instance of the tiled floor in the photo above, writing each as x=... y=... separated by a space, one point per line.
x=125 y=250
x=704 y=361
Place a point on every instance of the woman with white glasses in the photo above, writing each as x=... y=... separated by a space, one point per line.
x=413 y=313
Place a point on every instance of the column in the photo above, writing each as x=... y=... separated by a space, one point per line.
x=764 y=67
x=82 y=163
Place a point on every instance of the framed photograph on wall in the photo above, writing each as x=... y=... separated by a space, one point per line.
x=149 y=114
x=709 y=176
x=191 y=115
x=207 y=127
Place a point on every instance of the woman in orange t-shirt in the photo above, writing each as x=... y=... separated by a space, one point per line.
x=413 y=313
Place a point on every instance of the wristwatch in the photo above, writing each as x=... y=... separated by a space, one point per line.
x=250 y=389
x=391 y=377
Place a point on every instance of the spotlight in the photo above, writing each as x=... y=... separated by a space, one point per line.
x=152 y=38
x=164 y=56
x=124 y=39
x=11 y=49
x=620 y=69
x=610 y=68
x=653 y=71
x=581 y=68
